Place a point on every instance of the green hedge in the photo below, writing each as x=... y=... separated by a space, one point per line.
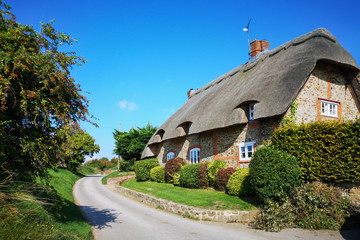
x=213 y=167
x=189 y=175
x=238 y=183
x=326 y=151
x=274 y=174
x=158 y=174
x=143 y=167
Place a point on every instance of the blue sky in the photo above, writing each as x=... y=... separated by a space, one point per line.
x=143 y=56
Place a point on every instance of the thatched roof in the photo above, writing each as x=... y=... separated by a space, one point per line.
x=272 y=80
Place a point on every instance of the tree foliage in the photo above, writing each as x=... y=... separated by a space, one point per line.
x=76 y=146
x=38 y=95
x=129 y=145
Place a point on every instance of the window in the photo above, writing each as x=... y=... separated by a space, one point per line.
x=194 y=155
x=329 y=109
x=246 y=150
x=251 y=112
x=170 y=155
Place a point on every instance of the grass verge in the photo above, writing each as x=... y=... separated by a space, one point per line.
x=85 y=170
x=202 y=198
x=38 y=212
x=115 y=174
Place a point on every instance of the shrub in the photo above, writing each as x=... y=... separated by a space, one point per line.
x=173 y=166
x=189 y=175
x=273 y=173
x=143 y=167
x=222 y=178
x=158 y=174
x=176 y=179
x=327 y=151
x=126 y=166
x=213 y=167
x=202 y=176
x=313 y=206
x=238 y=183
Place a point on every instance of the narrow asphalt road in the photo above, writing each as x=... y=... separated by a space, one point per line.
x=114 y=216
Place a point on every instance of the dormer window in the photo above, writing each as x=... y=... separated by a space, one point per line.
x=329 y=109
x=170 y=155
x=251 y=112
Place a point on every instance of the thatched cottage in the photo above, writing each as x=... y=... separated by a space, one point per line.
x=309 y=78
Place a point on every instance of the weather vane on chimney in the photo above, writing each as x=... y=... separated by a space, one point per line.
x=248 y=31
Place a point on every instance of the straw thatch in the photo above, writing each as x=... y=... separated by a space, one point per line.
x=272 y=80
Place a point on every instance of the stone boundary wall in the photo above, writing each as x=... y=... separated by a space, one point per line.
x=107 y=172
x=187 y=211
x=118 y=180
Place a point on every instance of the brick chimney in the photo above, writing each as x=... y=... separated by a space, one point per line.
x=189 y=92
x=257 y=46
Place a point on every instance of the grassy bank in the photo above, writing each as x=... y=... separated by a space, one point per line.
x=202 y=198
x=37 y=212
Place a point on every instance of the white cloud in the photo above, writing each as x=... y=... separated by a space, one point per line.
x=128 y=105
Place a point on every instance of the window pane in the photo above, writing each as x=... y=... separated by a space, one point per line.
x=243 y=155
x=242 y=149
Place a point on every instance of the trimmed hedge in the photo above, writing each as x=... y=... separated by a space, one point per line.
x=158 y=174
x=172 y=167
x=143 y=167
x=326 y=151
x=213 y=167
x=274 y=174
x=189 y=175
x=238 y=183
x=222 y=178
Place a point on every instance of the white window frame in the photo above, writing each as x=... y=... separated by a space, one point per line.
x=244 y=149
x=329 y=109
x=170 y=155
x=251 y=112
x=194 y=155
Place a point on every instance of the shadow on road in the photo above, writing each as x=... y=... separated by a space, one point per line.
x=100 y=218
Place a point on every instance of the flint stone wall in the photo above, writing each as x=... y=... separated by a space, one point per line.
x=187 y=211
x=118 y=180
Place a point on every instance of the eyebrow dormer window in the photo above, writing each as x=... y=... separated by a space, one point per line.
x=251 y=112
x=170 y=155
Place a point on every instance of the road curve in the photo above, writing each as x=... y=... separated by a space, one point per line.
x=114 y=216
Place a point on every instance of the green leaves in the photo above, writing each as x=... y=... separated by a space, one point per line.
x=326 y=151
x=129 y=145
x=37 y=95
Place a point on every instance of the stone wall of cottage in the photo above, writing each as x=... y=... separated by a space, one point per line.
x=326 y=82
x=220 y=144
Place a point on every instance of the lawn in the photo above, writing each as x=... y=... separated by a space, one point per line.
x=115 y=174
x=202 y=198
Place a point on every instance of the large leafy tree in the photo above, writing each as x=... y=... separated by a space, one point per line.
x=38 y=96
x=129 y=145
x=76 y=145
